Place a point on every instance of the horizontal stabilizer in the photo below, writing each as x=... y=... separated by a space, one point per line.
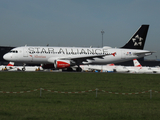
x=142 y=53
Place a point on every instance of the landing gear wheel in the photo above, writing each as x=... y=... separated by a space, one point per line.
x=78 y=69
x=23 y=69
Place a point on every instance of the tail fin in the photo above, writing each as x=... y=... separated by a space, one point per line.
x=136 y=63
x=138 y=39
x=111 y=64
x=10 y=64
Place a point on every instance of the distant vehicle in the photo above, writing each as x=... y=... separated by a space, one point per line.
x=7 y=67
x=66 y=57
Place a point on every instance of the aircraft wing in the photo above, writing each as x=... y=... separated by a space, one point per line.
x=79 y=59
x=82 y=57
x=89 y=57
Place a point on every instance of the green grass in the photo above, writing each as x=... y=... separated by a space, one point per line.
x=83 y=106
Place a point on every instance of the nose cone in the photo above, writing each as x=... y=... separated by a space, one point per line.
x=6 y=57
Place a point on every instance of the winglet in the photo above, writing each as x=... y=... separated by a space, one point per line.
x=114 y=53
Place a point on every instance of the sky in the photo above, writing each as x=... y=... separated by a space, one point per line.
x=78 y=23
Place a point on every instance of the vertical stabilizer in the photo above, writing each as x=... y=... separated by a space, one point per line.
x=10 y=64
x=136 y=63
x=137 y=41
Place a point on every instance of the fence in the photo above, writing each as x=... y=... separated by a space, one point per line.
x=40 y=89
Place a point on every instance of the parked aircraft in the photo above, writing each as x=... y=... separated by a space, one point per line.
x=66 y=57
x=121 y=69
x=155 y=69
x=138 y=68
x=100 y=68
x=104 y=68
x=26 y=68
x=7 y=67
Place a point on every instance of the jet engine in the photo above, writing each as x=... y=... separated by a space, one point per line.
x=60 y=64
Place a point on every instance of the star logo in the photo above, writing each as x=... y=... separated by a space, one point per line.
x=137 y=40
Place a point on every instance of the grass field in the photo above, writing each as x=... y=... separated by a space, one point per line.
x=82 y=106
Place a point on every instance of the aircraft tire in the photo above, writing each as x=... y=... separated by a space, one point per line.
x=23 y=69
x=79 y=69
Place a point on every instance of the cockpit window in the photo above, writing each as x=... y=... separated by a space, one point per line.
x=13 y=51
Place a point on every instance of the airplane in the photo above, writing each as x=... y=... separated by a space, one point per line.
x=121 y=69
x=27 y=68
x=155 y=69
x=138 y=68
x=7 y=67
x=11 y=67
x=104 y=68
x=66 y=57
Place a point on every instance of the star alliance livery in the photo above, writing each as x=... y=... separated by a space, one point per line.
x=66 y=57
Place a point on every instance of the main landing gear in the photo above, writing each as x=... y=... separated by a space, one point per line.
x=78 y=69
x=23 y=69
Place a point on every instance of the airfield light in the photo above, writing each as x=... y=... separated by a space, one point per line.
x=102 y=37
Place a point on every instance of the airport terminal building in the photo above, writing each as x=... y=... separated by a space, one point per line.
x=5 y=49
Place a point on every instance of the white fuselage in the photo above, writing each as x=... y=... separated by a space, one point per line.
x=27 y=68
x=36 y=54
x=104 y=68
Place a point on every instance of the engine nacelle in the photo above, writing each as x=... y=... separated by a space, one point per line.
x=60 y=64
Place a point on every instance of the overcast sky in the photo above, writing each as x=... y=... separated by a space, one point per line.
x=78 y=22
